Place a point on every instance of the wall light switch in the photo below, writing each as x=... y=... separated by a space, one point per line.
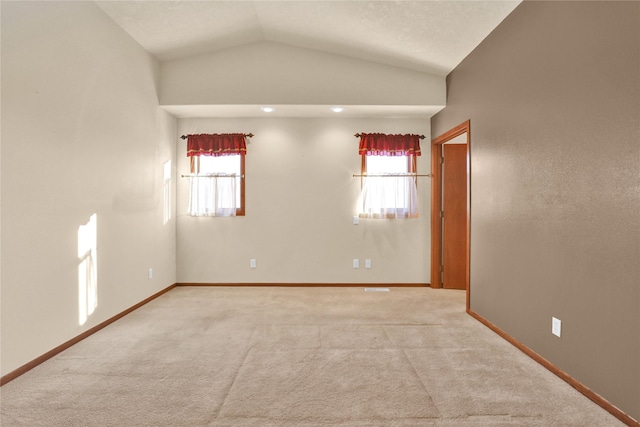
x=356 y=220
x=556 y=326
x=252 y=263
x=150 y=273
x=356 y=263
x=367 y=263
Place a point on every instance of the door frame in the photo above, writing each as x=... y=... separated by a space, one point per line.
x=436 y=204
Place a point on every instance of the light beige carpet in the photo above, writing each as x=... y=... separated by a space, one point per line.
x=220 y=356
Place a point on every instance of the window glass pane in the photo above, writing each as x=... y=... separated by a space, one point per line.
x=167 y=170
x=167 y=191
x=388 y=196
x=387 y=164
x=223 y=165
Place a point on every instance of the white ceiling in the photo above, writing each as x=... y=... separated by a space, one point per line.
x=427 y=36
x=302 y=111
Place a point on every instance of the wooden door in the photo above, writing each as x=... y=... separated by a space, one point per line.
x=454 y=207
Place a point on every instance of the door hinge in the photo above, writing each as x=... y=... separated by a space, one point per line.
x=441 y=214
x=442 y=160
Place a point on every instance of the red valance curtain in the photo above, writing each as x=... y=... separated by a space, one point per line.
x=379 y=144
x=225 y=144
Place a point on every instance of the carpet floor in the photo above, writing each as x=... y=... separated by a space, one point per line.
x=280 y=356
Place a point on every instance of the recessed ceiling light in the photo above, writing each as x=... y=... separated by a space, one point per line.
x=267 y=109
x=337 y=109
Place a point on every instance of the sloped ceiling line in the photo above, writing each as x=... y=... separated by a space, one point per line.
x=428 y=36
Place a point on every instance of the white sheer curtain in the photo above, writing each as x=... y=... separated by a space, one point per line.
x=389 y=196
x=213 y=195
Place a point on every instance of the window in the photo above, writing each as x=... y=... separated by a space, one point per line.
x=167 y=191
x=217 y=176
x=389 y=164
x=389 y=176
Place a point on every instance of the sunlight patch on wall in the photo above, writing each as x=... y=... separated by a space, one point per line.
x=87 y=269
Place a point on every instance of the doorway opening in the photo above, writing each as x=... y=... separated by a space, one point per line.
x=450 y=209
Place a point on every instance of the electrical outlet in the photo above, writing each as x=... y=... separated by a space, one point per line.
x=556 y=326
x=252 y=263
x=356 y=263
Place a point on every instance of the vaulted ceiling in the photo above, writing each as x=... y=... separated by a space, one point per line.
x=427 y=36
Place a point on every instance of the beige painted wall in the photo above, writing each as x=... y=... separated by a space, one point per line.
x=273 y=73
x=82 y=134
x=300 y=202
x=553 y=95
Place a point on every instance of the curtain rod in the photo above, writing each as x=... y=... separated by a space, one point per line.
x=384 y=175
x=248 y=135
x=358 y=135
x=193 y=175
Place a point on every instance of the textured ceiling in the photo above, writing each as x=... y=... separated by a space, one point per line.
x=428 y=36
